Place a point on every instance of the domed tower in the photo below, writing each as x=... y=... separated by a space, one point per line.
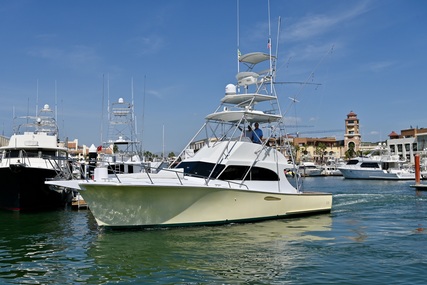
x=352 y=138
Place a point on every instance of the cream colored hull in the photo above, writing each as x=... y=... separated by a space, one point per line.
x=121 y=205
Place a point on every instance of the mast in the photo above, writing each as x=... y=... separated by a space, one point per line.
x=143 y=112
x=238 y=37
x=37 y=98
x=133 y=120
x=269 y=47
x=102 y=110
x=56 y=104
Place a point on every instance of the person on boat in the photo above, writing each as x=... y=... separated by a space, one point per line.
x=257 y=134
x=248 y=132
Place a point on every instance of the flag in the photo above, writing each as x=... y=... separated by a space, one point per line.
x=269 y=44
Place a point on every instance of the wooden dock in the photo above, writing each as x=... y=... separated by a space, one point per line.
x=79 y=204
x=419 y=186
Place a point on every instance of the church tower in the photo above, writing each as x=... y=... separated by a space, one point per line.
x=352 y=137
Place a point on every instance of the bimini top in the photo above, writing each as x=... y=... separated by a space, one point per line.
x=246 y=99
x=249 y=115
x=254 y=57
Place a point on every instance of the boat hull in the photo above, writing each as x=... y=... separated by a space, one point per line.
x=375 y=174
x=121 y=205
x=23 y=189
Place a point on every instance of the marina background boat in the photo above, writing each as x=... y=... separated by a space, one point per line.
x=33 y=156
x=375 y=234
x=378 y=164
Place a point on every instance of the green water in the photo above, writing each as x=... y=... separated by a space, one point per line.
x=375 y=235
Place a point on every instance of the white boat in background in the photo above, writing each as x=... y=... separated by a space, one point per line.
x=309 y=169
x=229 y=180
x=330 y=168
x=379 y=164
x=33 y=156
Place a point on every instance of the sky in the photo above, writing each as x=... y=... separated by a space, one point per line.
x=369 y=57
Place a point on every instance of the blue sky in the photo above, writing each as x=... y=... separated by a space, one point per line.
x=186 y=51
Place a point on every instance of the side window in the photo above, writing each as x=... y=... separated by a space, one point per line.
x=262 y=174
x=234 y=172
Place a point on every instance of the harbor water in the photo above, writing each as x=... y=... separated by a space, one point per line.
x=376 y=234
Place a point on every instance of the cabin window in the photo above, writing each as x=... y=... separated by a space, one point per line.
x=369 y=165
x=13 y=154
x=199 y=168
x=30 y=153
x=235 y=172
x=48 y=153
x=352 y=162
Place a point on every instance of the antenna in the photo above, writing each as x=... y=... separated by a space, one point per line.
x=163 y=142
x=37 y=98
x=305 y=83
x=102 y=109
x=56 y=105
x=269 y=45
x=108 y=99
x=133 y=121
x=143 y=112
x=238 y=37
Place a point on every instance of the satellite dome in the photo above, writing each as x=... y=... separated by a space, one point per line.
x=230 y=89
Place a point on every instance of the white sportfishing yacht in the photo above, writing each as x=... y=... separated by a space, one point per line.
x=230 y=179
x=32 y=157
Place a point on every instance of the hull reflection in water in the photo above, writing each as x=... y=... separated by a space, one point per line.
x=225 y=254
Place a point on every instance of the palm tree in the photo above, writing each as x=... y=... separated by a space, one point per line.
x=350 y=152
x=320 y=150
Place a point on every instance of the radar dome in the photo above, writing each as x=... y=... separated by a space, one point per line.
x=230 y=89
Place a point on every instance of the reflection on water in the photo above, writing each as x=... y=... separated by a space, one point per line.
x=35 y=248
x=67 y=247
x=378 y=226
x=233 y=253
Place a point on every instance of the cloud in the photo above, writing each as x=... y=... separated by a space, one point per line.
x=380 y=66
x=76 y=57
x=317 y=25
x=142 y=46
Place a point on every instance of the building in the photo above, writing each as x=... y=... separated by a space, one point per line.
x=318 y=150
x=352 y=137
x=410 y=142
x=4 y=141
